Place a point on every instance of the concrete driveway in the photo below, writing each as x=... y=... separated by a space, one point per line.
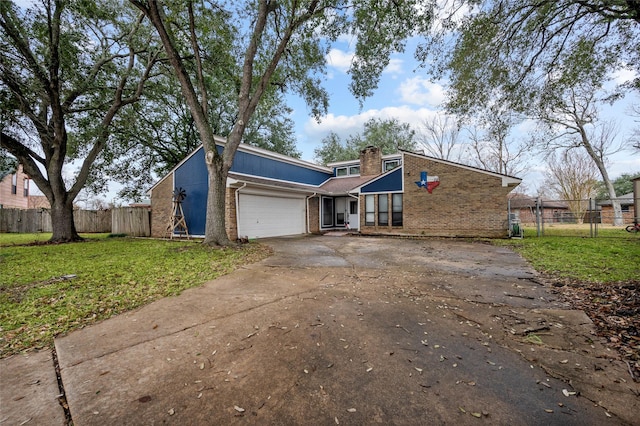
x=352 y=330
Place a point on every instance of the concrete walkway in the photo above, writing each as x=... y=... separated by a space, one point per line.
x=346 y=330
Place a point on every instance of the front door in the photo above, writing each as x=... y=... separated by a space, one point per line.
x=354 y=216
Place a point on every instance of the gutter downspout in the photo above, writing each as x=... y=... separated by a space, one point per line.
x=238 y=209
x=308 y=219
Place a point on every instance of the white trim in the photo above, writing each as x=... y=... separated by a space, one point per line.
x=311 y=187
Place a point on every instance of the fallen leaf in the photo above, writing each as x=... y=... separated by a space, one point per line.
x=478 y=415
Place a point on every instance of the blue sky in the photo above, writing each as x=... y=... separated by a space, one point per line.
x=405 y=93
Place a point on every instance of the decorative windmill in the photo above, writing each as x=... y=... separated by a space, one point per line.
x=177 y=224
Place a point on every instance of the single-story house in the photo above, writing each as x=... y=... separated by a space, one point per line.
x=269 y=194
x=523 y=210
x=626 y=205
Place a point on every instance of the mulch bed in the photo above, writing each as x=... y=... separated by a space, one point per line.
x=614 y=309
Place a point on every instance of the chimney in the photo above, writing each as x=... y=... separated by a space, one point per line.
x=370 y=161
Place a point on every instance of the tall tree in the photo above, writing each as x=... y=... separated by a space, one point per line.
x=571 y=120
x=503 y=51
x=278 y=42
x=572 y=176
x=440 y=137
x=493 y=147
x=623 y=184
x=66 y=69
x=165 y=132
x=390 y=135
x=537 y=58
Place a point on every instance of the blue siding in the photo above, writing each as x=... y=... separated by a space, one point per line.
x=389 y=183
x=255 y=165
x=192 y=177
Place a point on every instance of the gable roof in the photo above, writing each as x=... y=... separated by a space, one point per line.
x=507 y=180
x=221 y=141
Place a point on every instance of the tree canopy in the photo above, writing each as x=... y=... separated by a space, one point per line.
x=66 y=70
x=390 y=135
x=507 y=52
x=276 y=43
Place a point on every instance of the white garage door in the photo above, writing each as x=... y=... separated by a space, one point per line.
x=263 y=216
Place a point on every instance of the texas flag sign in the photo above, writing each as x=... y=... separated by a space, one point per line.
x=429 y=182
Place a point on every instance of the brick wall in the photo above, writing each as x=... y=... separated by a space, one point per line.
x=467 y=203
x=314 y=215
x=370 y=161
x=161 y=207
x=231 y=219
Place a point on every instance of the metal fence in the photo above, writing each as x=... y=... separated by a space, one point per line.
x=126 y=220
x=586 y=217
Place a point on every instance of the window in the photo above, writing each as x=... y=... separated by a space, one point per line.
x=396 y=209
x=369 y=210
x=353 y=170
x=391 y=164
x=25 y=191
x=353 y=207
x=14 y=183
x=625 y=208
x=327 y=211
x=383 y=210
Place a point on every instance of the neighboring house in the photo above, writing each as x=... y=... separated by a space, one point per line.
x=269 y=194
x=523 y=210
x=14 y=190
x=626 y=205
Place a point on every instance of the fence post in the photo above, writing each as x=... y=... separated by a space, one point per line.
x=538 y=218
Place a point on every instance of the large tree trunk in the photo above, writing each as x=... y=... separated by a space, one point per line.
x=599 y=161
x=63 y=226
x=215 y=224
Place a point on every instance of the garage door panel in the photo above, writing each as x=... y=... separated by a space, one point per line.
x=263 y=216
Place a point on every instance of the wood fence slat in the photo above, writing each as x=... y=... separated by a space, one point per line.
x=124 y=220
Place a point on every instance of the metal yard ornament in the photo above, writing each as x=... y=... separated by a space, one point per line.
x=428 y=182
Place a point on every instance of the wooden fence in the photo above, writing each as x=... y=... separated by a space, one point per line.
x=126 y=220
x=131 y=221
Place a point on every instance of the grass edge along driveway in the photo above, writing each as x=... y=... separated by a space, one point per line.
x=51 y=289
x=46 y=290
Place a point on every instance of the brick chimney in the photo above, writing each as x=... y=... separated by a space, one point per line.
x=370 y=161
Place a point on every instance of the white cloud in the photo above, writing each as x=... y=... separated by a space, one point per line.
x=420 y=91
x=345 y=125
x=339 y=59
x=623 y=76
x=394 y=67
x=342 y=60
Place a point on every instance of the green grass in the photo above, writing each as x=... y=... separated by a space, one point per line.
x=613 y=256
x=46 y=290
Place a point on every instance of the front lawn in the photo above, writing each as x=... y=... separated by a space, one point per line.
x=47 y=289
x=612 y=256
